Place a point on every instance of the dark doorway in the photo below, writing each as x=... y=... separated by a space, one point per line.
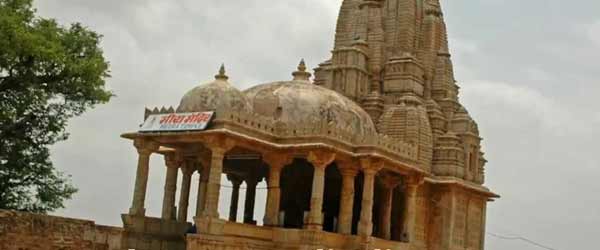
x=296 y=190
x=398 y=204
x=331 y=198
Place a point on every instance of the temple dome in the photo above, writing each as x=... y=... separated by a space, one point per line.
x=462 y=122
x=298 y=102
x=409 y=122
x=218 y=95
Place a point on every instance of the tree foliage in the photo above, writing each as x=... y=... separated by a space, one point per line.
x=48 y=74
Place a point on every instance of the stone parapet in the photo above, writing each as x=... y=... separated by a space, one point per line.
x=235 y=236
x=324 y=130
x=146 y=233
x=43 y=232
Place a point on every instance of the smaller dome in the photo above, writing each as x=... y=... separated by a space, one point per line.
x=461 y=114
x=409 y=122
x=463 y=123
x=218 y=96
x=433 y=106
x=410 y=100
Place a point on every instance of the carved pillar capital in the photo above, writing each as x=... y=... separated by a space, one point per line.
x=371 y=165
x=252 y=180
x=348 y=167
x=235 y=180
x=188 y=168
x=390 y=181
x=173 y=160
x=413 y=181
x=145 y=146
x=219 y=145
x=204 y=161
x=278 y=160
x=320 y=159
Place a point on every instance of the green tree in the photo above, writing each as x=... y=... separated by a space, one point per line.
x=48 y=74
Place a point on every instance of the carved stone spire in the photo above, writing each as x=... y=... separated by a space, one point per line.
x=406 y=48
x=221 y=76
x=301 y=74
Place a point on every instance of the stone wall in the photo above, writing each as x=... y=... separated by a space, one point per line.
x=26 y=231
x=147 y=233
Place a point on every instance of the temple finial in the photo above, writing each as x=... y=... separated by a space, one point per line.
x=222 y=75
x=301 y=74
x=302 y=65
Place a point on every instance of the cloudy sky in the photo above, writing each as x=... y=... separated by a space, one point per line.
x=528 y=70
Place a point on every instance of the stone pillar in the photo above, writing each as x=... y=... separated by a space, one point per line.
x=370 y=168
x=276 y=163
x=235 y=194
x=347 y=199
x=251 y=183
x=144 y=149
x=213 y=185
x=184 y=195
x=168 y=207
x=410 y=211
x=201 y=199
x=319 y=160
x=386 y=213
x=389 y=184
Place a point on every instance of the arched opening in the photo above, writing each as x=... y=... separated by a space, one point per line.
x=226 y=193
x=154 y=193
x=331 y=198
x=296 y=189
x=245 y=173
x=260 y=200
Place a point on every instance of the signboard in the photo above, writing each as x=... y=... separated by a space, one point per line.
x=177 y=122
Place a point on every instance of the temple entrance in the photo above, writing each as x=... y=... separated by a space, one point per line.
x=296 y=191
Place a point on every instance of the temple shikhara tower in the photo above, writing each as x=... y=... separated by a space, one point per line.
x=374 y=152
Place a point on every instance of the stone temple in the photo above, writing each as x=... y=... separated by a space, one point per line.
x=376 y=152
